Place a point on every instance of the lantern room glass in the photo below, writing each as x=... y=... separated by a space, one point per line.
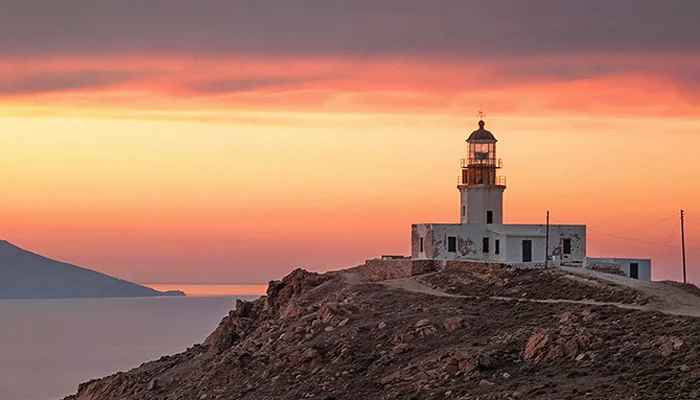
x=483 y=153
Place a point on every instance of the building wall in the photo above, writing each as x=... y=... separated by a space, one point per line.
x=644 y=269
x=470 y=237
x=476 y=200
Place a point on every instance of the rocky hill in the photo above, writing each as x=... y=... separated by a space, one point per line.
x=26 y=275
x=454 y=334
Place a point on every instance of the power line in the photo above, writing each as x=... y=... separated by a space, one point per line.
x=668 y=238
x=614 y=235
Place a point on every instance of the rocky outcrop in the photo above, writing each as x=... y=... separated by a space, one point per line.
x=325 y=337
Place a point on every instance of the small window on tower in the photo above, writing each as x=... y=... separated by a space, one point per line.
x=452 y=244
x=421 y=244
x=485 y=245
x=489 y=217
x=464 y=210
x=566 y=246
x=497 y=247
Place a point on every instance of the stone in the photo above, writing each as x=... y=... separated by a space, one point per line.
x=484 y=382
x=344 y=322
x=153 y=384
x=684 y=368
x=452 y=324
x=381 y=325
x=506 y=375
x=422 y=323
x=537 y=348
x=329 y=329
x=565 y=318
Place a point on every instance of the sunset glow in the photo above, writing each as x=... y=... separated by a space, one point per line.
x=174 y=167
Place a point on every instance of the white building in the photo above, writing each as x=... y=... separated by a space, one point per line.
x=481 y=234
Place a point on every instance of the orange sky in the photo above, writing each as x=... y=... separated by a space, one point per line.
x=216 y=169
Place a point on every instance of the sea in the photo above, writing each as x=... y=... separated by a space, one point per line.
x=48 y=347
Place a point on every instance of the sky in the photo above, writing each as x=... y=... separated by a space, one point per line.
x=230 y=141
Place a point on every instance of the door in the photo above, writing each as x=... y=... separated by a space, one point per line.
x=634 y=270
x=527 y=250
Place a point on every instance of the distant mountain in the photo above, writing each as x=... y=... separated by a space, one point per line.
x=25 y=275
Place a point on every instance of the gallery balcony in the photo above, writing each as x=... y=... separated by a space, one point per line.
x=482 y=162
x=463 y=181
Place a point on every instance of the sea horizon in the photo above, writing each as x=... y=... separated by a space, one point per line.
x=212 y=290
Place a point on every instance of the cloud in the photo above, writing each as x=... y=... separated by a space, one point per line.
x=466 y=29
x=62 y=81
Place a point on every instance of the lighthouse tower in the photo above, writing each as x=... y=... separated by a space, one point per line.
x=481 y=189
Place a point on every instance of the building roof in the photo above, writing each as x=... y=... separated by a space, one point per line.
x=481 y=134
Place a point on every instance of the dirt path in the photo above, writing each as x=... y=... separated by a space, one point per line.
x=666 y=298
x=671 y=300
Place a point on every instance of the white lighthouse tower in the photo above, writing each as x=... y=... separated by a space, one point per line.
x=481 y=189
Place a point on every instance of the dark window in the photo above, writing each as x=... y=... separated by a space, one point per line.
x=485 y=245
x=421 y=244
x=452 y=244
x=497 y=247
x=489 y=217
x=464 y=210
x=634 y=270
x=566 y=244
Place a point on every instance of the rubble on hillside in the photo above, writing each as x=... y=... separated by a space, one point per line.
x=325 y=337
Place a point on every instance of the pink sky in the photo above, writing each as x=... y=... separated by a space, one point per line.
x=241 y=151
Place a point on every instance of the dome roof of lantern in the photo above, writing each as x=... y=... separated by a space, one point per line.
x=481 y=135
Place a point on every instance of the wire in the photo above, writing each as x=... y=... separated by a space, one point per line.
x=616 y=235
x=668 y=238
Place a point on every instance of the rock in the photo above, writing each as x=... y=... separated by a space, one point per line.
x=537 y=348
x=381 y=325
x=448 y=393
x=565 y=318
x=153 y=384
x=517 y=395
x=203 y=397
x=423 y=322
x=452 y=324
x=684 y=368
x=484 y=382
x=506 y=375
x=669 y=344
x=344 y=322
x=329 y=329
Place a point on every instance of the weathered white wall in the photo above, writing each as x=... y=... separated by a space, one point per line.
x=470 y=241
x=476 y=200
x=624 y=263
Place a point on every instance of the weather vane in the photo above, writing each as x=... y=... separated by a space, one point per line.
x=481 y=114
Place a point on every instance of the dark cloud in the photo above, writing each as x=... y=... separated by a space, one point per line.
x=230 y=86
x=60 y=81
x=458 y=28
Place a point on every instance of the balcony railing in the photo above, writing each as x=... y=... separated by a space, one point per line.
x=482 y=162
x=500 y=181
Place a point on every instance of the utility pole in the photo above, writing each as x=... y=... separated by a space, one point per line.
x=685 y=280
x=546 y=243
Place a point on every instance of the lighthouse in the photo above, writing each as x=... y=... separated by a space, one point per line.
x=481 y=189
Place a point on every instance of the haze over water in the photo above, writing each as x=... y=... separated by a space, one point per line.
x=48 y=347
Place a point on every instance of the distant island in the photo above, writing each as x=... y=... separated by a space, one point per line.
x=26 y=275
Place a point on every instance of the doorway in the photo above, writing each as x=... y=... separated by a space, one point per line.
x=527 y=250
x=634 y=270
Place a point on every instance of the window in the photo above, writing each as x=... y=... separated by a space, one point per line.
x=464 y=210
x=566 y=245
x=421 y=244
x=497 y=247
x=485 y=245
x=452 y=244
x=489 y=217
